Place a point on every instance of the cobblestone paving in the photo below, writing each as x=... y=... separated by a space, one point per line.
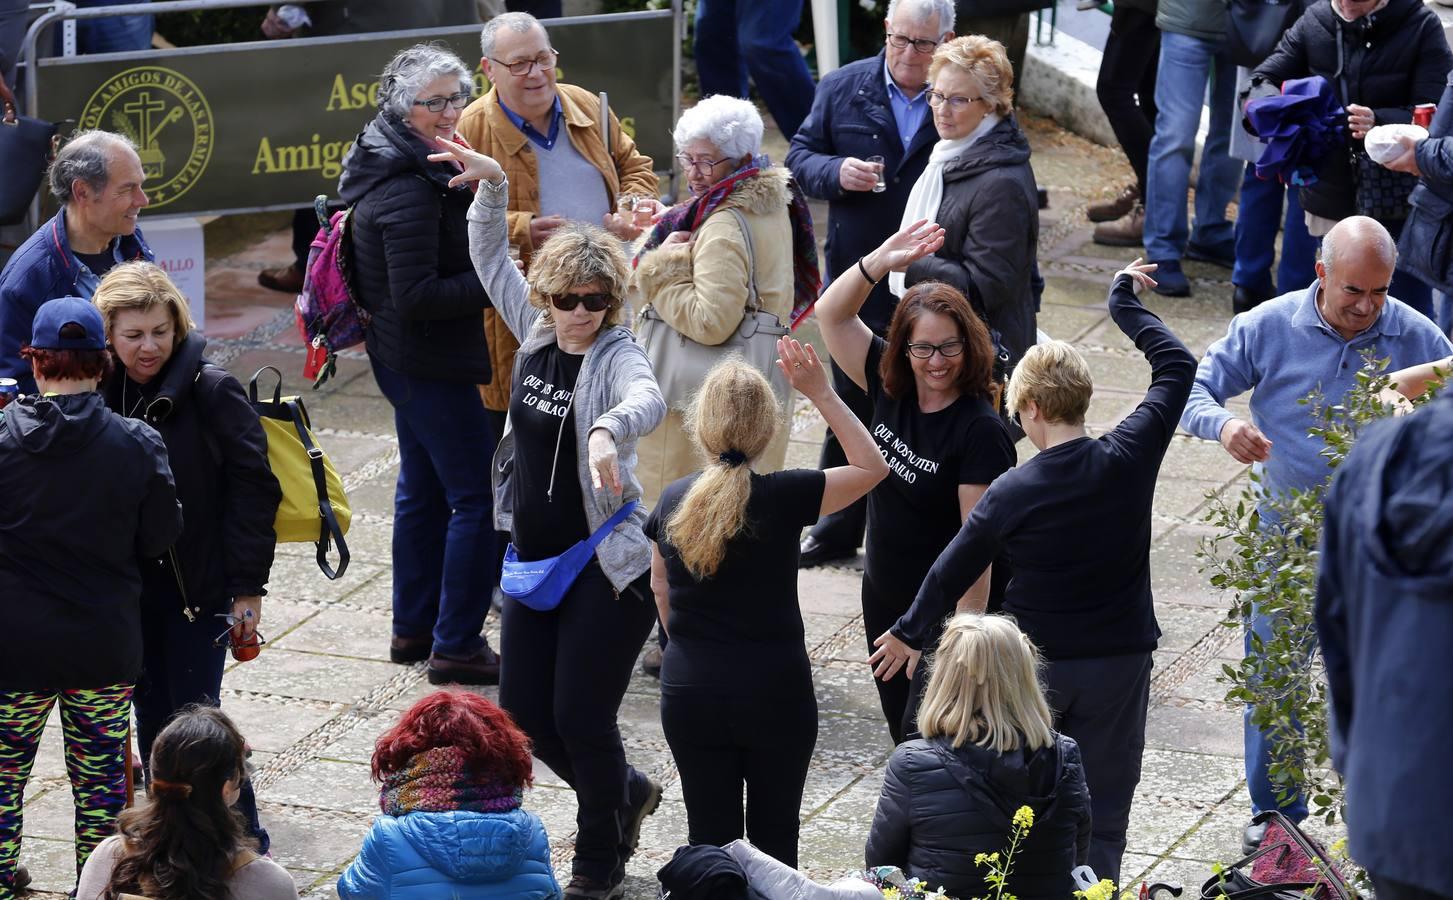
x=315 y=700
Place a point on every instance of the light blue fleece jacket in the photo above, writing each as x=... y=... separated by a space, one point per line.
x=1283 y=350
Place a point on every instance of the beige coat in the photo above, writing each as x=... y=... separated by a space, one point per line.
x=700 y=289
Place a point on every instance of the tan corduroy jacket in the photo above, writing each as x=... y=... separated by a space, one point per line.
x=487 y=129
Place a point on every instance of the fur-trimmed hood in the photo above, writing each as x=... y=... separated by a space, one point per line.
x=762 y=194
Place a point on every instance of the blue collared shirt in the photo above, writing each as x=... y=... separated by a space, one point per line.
x=1285 y=349
x=546 y=141
x=908 y=114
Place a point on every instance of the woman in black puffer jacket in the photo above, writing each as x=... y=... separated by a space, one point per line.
x=1381 y=57
x=413 y=273
x=988 y=749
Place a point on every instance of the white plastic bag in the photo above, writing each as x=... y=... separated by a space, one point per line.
x=1383 y=142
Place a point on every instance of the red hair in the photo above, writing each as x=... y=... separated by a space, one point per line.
x=68 y=365
x=489 y=738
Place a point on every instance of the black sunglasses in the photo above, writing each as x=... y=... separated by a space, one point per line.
x=591 y=302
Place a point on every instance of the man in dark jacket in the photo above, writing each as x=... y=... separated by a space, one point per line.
x=872 y=107
x=1381 y=57
x=96 y=177
x=1384 y=614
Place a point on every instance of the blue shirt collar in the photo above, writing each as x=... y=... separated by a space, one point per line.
x=528 y=130
x=894 y=91
x=1309 y=315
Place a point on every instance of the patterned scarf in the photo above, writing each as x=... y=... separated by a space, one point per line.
x=806 y=279
x=440 y=780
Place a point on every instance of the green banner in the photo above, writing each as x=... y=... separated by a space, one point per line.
x=266 y=125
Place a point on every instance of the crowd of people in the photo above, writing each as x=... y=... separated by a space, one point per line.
x=537 y=338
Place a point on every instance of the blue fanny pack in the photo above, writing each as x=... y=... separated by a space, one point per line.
x=541 y=584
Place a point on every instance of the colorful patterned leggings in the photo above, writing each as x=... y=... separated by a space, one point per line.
x=94 y=727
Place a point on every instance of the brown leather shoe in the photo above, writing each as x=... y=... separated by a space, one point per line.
x=481 y=668
x=408 y=650
x=288 y=279
x=1110 y=210
x=1126 y=231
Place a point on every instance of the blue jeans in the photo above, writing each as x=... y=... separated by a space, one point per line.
x=114 y=34
x=1257 y=220
x=737 y=37
x=1186 y=65
x=1258 y=745
x=443 y=541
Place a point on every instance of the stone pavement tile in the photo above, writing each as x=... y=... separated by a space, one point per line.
x=1158 y=822
x=52 y=864
x=310 y=676
x=376 y=594
x=802 y=454
x=858 y=802
x=1189 y=776
x=370 y=541
x=664 y=830
x=314 y=885
x=1182 y=625
x=1219 y=837
x=281 y=613
x=846 y=689
x=374 y=497
x=1108 y=407
x=1190 y=874
x=326 y=784
x=1205 y=685
x=1066 y=322
x=826 y=779
x=1120 y=371
x=851 y=741
x=331 y=411
x=1182 y=497
x=820 y=628
x=1215 y=731
x=830 y=590
x=296 y=576
x=1175 y=569
x=422 y=688
x=356 y=384
x=1196 y=333
x=273 y=724
x=1080 y=290
x=313 y=839
x=342 y=632
x=831 y=848
x=1132 y=866
x=50 y=815
x=356 y=744
x=1191 y=457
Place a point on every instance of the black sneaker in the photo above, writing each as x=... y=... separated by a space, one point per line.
x=645 y=797
x=22 y=877
x=583 y=888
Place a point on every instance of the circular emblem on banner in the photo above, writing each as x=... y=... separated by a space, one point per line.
x=166 y=117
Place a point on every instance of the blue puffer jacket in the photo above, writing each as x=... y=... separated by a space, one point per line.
x=460 y=855
x=1426 y=246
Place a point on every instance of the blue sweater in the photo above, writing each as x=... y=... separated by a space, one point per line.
x=460 y=855
x=1285 y=349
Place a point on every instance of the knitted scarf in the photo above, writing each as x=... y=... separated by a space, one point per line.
x=439 y=780
x=806 y=279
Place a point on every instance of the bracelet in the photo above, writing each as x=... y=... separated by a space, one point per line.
x=864 y=269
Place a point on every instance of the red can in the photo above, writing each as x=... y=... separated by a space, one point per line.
x=1423 y=114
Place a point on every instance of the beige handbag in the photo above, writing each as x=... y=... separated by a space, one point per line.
x=681 y=364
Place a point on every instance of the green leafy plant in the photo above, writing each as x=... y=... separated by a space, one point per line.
x=999 y=871
x=1265 y=553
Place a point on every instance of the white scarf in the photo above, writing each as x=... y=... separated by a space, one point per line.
x=927 y=193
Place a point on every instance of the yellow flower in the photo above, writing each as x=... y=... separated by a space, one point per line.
x=890 y=893
x=1024 y=818
x=1105 y=890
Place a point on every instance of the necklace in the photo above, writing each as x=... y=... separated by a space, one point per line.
x=130 y=413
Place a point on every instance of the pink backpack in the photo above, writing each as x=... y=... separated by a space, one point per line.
x=328 y=314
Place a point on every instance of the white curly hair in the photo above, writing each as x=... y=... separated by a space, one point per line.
x=732 y=125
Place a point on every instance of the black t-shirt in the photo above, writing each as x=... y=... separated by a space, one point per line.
x=547 y=520
x=914 y=512
x=740 y=631
x=98 y=263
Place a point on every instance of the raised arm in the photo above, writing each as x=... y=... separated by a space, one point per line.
x=848 y=339
x=1172 y=367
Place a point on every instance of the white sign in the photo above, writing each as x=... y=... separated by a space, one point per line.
x=179 y=251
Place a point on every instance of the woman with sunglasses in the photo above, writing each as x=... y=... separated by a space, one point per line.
x=582 y=394
x=696 y=269
x=428 y=352
x=979 y=186
x=931 y=383
x=213 y=577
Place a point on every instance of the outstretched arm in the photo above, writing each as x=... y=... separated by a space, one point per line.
x=1172 y=367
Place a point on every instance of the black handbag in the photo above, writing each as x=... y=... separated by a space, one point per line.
x=1381 y=192
x=25 y=147
x=1253 y=28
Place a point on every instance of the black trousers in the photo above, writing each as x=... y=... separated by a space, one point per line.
x=845 y=527
x=563 y=675
x=1101 y=702
x=881 y=608
x=721 y=743
x=1126 y=86
x=1387 y=889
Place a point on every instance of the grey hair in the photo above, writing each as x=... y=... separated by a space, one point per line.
x=1359 y=229
x=732 y=125
x=921 y=10
x=86 y=156
x=414 y=69
x=518 y=22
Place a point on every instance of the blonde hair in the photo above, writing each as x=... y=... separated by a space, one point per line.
x=986 y=61
x=1056 y=377
x=579 y=254
x=983 y=686
x=141 y=286
x=735 y=413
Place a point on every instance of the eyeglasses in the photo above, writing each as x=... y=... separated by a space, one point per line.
x=591 y=302
x=948 y=350
x=955 y=104
x=524 y=67
x=437 y=104
x=902 y=42
x=700 y=167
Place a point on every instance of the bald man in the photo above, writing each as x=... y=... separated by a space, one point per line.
x=1283 y=350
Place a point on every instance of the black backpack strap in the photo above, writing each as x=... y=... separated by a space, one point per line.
x=329 y=531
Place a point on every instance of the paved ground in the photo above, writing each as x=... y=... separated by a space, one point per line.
x=313 y=703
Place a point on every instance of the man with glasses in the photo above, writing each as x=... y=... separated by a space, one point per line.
x=549 y=140
x=861 y=148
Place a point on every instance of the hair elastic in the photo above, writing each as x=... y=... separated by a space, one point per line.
x=176 y=789
x=732 y=458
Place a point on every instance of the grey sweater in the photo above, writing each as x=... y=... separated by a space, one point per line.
x=616 y=391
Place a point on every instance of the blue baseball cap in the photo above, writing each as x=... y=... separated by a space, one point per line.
x=54 y=315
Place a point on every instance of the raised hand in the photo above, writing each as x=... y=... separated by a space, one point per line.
x=477 y=166
x=1139 y=273
x=922 y=238
x=803 y=368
